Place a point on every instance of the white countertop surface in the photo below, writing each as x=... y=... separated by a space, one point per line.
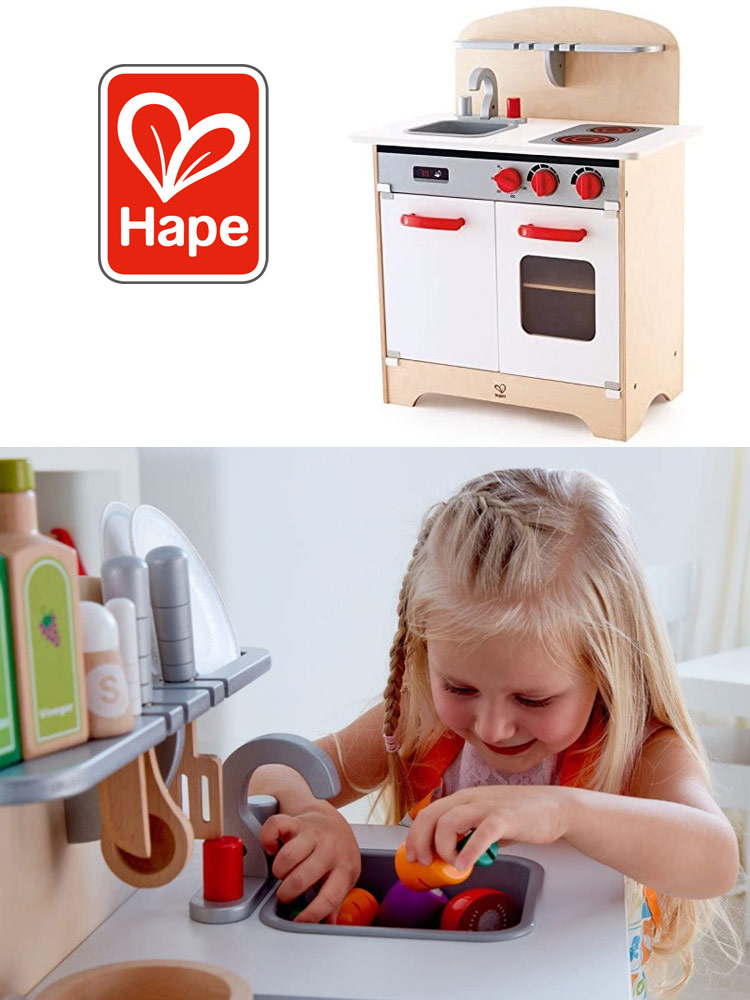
x=578 y=948
x=517 y=140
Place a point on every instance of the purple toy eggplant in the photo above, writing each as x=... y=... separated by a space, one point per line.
x=402 y=907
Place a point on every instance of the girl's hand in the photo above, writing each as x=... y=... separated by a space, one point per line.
x=317 y=844
x=534 y=814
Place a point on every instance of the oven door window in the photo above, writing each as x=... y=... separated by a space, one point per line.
x=558 y=298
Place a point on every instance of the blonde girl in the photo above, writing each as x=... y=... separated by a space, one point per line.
x=532 y=697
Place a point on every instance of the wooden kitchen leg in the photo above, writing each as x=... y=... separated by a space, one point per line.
x=404 y=392
x=607 y=424
x=638 y=406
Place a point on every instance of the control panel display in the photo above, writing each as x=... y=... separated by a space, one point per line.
x=430 y=174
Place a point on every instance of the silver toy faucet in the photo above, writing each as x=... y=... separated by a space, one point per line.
x=244 y=819
x=484 y=75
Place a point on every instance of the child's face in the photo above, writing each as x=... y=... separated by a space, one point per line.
x=509 y=699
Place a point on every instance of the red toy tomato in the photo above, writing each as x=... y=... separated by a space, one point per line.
x=480 y=910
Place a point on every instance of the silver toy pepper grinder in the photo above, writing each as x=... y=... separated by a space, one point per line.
x=170 y=602
x=127 y=576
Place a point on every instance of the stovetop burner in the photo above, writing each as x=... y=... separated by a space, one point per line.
x=591 y=134
x=584 y=139
x=613 y=129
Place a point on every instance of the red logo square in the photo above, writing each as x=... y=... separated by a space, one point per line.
x=183 y=173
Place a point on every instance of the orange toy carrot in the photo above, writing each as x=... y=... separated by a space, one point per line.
x=358 y=908
x=433 y=876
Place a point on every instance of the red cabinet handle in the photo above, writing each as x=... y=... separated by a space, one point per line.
x=425 y=222
x=543 y=233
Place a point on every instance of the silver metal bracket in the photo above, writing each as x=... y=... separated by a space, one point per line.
x=554 y=64
x=612 y=390
x=611 y=209
x=392 y=359
x=384 y=190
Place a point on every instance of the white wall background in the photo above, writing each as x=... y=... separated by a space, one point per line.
x=308 y=547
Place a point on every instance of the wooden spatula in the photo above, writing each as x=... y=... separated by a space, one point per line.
x=195 y=767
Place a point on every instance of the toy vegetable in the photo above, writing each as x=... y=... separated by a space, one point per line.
x=422 y=877
x=404 y=907
x=358 y=908
x=480 y=910
x=439 y=872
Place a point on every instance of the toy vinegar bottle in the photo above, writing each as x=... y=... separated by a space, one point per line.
x=44 y=617
x=10 y=741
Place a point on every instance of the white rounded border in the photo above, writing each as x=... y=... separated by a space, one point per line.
x=260 y=80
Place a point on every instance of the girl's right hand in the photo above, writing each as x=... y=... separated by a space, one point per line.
x=317 y=844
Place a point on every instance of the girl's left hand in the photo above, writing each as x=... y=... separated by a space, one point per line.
x=534 y=814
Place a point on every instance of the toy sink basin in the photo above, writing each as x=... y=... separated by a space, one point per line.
x=457 y=126
x=155 y=980
x=519 y=877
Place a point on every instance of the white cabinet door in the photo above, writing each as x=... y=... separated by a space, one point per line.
x=439 y=279
x=557 y=289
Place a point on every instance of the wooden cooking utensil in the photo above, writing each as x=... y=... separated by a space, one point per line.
x=170 y=833
x=195 y=767
x=124 y=809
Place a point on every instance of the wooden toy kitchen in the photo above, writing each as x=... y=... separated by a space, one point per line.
x=517 y=269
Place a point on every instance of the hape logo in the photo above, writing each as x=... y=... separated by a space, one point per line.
x=182 y=173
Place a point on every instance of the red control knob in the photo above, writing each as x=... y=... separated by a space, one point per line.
x=589 y=186
x=508 y=180
x=544 y=183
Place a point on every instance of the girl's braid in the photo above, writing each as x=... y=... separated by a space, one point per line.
x=398 y=652
x=482 y=500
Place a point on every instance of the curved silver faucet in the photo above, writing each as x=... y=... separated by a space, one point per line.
x=484 y=75
x=240 y=819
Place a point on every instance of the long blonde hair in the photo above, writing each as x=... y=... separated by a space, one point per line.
x=549 y=555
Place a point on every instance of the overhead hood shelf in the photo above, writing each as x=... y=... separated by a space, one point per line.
x=75 y=770
x=555 y=52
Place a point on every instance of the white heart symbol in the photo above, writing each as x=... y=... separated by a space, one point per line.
x=169 y=185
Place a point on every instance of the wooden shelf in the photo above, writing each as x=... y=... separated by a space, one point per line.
x=75 y=770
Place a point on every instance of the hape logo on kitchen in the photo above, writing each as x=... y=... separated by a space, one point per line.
x=183 y=173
